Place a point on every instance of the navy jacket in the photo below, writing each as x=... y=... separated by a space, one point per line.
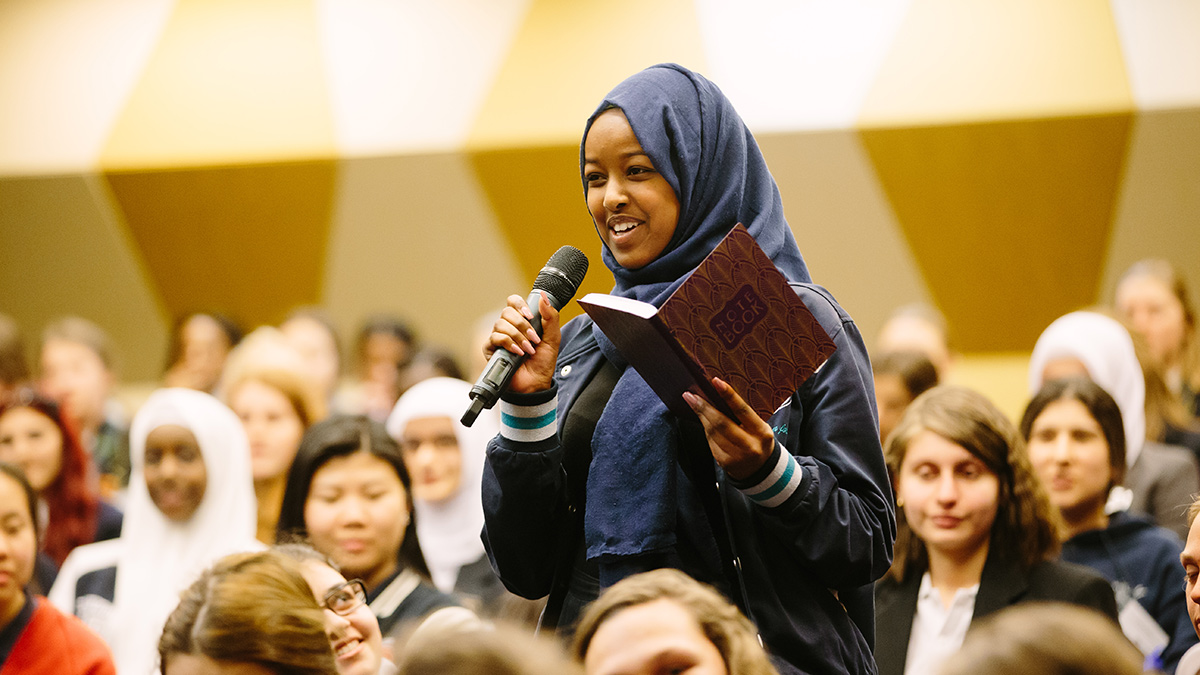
x=803 y=569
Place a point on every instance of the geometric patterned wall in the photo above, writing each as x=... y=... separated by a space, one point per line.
x=1003 y=159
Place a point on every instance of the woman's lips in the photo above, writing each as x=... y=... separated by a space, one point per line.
x=946 y=521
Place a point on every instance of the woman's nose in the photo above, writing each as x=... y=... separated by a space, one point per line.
x=947 y=489
x=615 y=196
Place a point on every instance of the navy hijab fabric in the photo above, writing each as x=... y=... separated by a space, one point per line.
x=699 y=144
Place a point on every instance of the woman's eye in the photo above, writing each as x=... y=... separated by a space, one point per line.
x=639 y=170
x=594 y=179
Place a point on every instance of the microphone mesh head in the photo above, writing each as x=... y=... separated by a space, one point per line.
x=561 y=276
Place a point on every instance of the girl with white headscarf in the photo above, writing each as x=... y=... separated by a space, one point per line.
x=445 y=460
x=1161 y=478
x=178 y=520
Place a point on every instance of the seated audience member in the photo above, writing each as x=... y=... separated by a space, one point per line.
x=445 y=460
x=250 y=614
x=190 y=501
x=1075 y=437
x=977 y=532
x=920 y=328
x=1190 y=559
x=663 y=621
x=35 y=637
x=384 y=347
x=350 y=495
x=1161 y=479
x=503 y=650
x=352 y=629
x=196 y=355
x=14 y=368
x=77 y=372
x=1045 y=638
x=311 y=332
x=35 y=437
x=277 y=400
x=1153 y=298
x=429 y=362
x=900 y=377
x=1167 y=420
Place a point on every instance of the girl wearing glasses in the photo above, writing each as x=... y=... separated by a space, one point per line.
x=190 y=501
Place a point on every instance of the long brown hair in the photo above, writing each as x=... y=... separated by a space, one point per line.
x=1026 y=526
x=1164 y=272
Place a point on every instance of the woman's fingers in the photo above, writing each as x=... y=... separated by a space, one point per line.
x=740 y=447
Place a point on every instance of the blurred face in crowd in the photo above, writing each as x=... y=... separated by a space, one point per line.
x=1153 y=311
x=891 y=399
x=1190 y=558
x=356 y=513
x=1068 y=450
x=18 y=547
x=318 y=349
x=273 y=427
x=33 y=442
x=175 y=473
x=352 y=629
x=655 y=638
x=634 y=208
x=432 y=456
x=77 y=378
x=949 y=496
x=382 y=355
x=204 y=348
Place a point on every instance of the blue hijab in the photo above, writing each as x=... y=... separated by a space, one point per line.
x=700 y=145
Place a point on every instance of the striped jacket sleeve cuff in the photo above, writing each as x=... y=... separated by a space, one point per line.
x=783 y=477
x=529 y=423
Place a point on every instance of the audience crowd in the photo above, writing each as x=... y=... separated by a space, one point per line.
x=277 y=506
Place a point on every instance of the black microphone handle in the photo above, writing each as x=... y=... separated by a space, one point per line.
x=500 y=368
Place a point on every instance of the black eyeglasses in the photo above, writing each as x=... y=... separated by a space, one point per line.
x=345 y=598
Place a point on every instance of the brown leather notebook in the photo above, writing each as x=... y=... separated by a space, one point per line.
x=735 y=318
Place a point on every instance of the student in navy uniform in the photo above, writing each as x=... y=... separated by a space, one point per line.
x=592 y=479
x=977 y=532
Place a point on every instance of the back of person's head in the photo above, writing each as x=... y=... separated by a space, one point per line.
x=720 y=621
x=1045 y=639
x=14 y=365
x=1100 y=405
x=900 y=377
x=1026 y=525
x=250 y=608
x=427 y=363
x=503 y=650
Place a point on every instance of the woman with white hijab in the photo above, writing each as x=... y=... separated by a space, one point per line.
x=1161 y=479
x=190 y=502
x=445 y=460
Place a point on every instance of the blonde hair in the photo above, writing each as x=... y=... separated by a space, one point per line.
x=722 y=623
x=251 y=608
x=1026 y=526
x=265 y=356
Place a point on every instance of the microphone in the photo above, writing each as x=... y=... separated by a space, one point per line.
x=560 y=278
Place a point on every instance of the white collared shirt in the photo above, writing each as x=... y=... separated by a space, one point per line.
x=937 y=630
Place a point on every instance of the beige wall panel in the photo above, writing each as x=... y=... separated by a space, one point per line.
x=66 y=70
x=844 y=224
x=408 y=75
x=1158 y=212
x=1161 y=43
x=567 y=55
x=63 y=250
x=810 y=63
x=962 y=62
x=416 y=236
x=231 y=81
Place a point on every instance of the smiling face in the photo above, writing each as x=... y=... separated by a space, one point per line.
x=356 y=513
x=18 y=547
x=950 y=497
x=433 y=457
x=1070 y=454
x=634 y=207
x=175 y=474
x=272 y=425
x=355 y=637
x=655 y=638
x=33 y=442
